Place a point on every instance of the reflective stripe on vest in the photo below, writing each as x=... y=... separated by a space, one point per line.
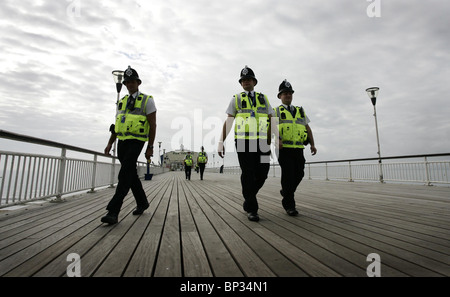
x=292 y=129
x=132 y=124
x=251 y=122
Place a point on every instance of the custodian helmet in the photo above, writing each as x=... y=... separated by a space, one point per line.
x=285 y=86
x=130 y=74
x=247 y=73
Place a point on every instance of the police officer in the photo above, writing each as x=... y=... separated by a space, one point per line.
x=188 y=165
x=294 y=134
x=252 y=113
x=135 y=125
x=202 y=159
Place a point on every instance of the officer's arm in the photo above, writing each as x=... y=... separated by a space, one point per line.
x=227 y=127
x=311 y=140
x=225 y=130
x=111 y=140
x=151 y=118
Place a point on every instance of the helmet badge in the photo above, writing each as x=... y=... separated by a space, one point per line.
x=129 y=72
x=287 y=84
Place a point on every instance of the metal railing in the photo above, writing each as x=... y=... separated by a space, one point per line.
x=26 y=177
x=424 y=169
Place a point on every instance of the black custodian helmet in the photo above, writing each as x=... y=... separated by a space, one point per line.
x=131 y=74
x=285 y=86
x=247 y=73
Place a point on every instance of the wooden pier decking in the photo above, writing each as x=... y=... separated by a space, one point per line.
x=198 y=229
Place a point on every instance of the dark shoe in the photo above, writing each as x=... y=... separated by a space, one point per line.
x=140 y=210
x=292 y=212
x=253 y=216
x=110 y=218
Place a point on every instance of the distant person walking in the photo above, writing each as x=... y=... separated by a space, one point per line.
x=135 y=125
x=294 y=134
x=202 y=159
x=251 y=112
x=188 y=162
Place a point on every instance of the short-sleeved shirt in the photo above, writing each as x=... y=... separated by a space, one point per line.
x=231 y=110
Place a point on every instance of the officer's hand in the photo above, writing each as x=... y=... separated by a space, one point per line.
x=313 y=150
x=107 y=150
x=221 y=149
x=149 y=153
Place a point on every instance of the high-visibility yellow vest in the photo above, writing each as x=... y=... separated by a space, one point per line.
x=292 y=129
x=131 y=123
x=202 y=157
x=188 y=160
x=251 y=122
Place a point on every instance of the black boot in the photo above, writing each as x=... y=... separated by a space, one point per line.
x=110 y=218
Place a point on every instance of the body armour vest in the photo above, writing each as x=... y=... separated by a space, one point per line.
x=131 y=120
x=188 y=160
x=292 y=129
x=252 y=122
x=202 y=157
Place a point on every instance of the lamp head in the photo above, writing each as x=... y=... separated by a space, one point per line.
x=118 y=79
x=373 y=94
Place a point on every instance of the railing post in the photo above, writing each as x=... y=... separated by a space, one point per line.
x=428 y=182
x=113 y=169
x=94 y=173
x=309 y=171
x=61 y=176
x=326 y=171
x=381 y=171
x=350 y=170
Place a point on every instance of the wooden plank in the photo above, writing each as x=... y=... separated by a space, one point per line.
x=195 y=261
x=237 y=220
x=169 y=256
x=117 y=261
x=142 y=263
x=250 y=264
x=220 y=259
x=45 y=238
x=92 y=234
x=92 y=248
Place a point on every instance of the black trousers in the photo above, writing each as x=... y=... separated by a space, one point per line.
x=292 y=163
x=128 y=153
x=202 y=169
x=187 y=170
x=255 y=165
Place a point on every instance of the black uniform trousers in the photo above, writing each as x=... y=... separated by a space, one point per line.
x=202 y=169
x=255 y=165
x=187 y=171
x=128 y=153
x=292 y=163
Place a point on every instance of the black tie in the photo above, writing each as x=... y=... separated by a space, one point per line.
x=130 y=102
x=292 y=110
x=250 y=95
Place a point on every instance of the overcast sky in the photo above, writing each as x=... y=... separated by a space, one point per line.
x=57 y=58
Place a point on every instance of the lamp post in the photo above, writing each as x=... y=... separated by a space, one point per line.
x=159 y=152
x=373 y=93
x=118 y=79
